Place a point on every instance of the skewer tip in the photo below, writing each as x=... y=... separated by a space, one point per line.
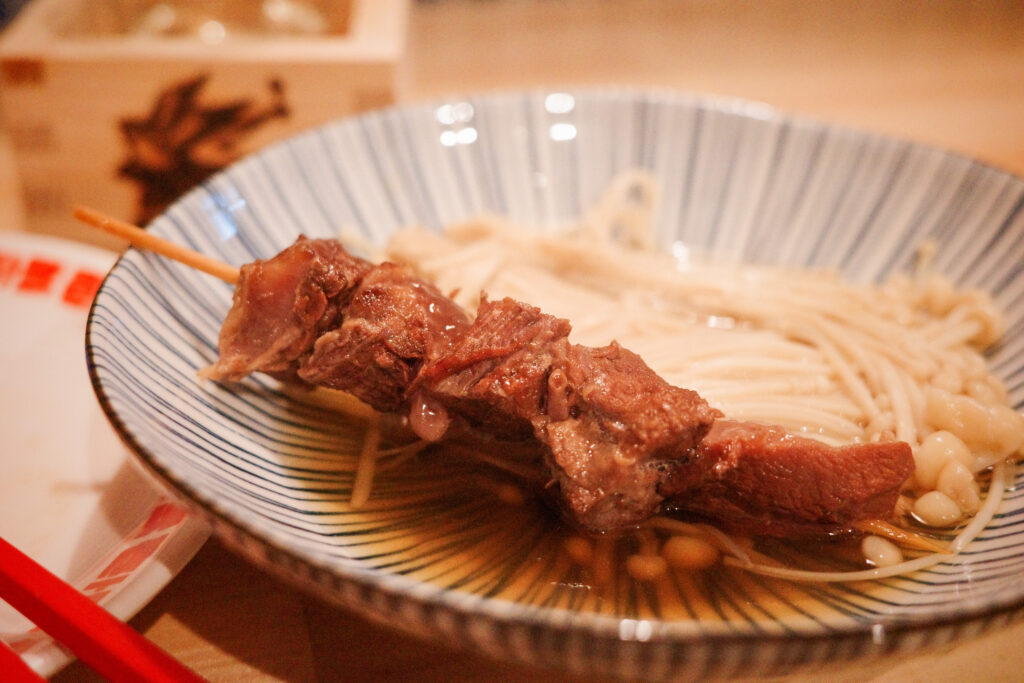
x=141 y=239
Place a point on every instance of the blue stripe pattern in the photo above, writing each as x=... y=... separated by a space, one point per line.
x=738 y=179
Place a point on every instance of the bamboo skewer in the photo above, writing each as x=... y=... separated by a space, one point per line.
x=143 y=240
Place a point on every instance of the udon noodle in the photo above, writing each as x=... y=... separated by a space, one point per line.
x=800 y=348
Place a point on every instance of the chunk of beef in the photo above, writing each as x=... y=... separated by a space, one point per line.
x=759 y=480
x=611 y=424
x=281 y=305
x=615 y=428
x=495 y=376
x=393 y=324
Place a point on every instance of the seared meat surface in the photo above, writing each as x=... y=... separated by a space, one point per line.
x=617 y=431
x=760 y=480
x=496 y=375
x=620 y=443
x=393 y=324
x=281 y=305
x=611 y=425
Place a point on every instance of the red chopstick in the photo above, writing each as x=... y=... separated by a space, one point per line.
x=108 y=646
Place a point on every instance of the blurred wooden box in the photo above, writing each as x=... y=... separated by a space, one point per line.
x=105 y=113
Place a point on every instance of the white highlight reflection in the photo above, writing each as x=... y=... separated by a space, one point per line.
x=562 y=131
x=465 y=136
x=559 y=103
x=457 y=112
x=631 y=629
x=681 y=253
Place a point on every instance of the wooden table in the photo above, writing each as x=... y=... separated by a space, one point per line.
x=942 y=72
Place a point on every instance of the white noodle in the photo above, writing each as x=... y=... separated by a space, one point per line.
x=363 y=480
x=996 y=488
x=722 y=540
x=800 y=348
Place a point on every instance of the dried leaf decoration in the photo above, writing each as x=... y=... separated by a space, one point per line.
x=182 y=141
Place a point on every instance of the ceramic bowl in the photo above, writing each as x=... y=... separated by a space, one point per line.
x=740 y=180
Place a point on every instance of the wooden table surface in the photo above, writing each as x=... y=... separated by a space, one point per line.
x=942 y=72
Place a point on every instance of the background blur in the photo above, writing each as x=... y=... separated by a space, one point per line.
x=943 y=72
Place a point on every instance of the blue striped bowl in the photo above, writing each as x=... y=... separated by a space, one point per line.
x=272 y=474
